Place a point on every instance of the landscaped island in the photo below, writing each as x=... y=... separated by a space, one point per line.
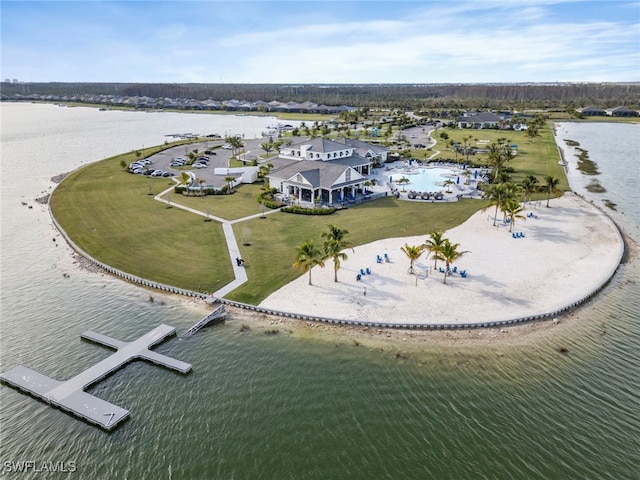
x=556 y=262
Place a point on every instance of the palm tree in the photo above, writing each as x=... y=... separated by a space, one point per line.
x=307 y=257
x=448 y=182
x=268 y=146
x=512 y=209
x=529 y=185
x=229 y=180
x=551 y=185
x=433 y=244
x=495 y=194
x=449 y=253
x=413 y=252
x=334 y=245
x=403 y=181
x=497 y=158
x=236 y=144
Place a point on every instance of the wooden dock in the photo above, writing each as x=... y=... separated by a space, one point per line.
x=70 y=395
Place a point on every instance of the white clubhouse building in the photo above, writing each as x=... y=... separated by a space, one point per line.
x=324 y=171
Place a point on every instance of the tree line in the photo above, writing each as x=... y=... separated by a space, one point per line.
x=561 y=96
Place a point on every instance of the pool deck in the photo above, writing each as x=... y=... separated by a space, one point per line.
x=70 y=395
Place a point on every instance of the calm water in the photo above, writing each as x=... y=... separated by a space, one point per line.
x=272 y=407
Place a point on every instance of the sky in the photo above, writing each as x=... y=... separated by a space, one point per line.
x=321 y=42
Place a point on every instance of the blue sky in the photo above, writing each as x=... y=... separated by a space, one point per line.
x=475 y=41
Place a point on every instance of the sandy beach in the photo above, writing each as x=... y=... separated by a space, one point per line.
x=568 y=251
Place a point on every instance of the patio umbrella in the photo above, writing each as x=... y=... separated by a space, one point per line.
x=458 y=180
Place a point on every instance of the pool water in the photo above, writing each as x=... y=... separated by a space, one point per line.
x=426 y=179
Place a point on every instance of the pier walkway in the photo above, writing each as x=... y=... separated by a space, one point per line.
x=70 y=395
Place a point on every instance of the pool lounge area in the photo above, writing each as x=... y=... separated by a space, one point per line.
x=447 y=182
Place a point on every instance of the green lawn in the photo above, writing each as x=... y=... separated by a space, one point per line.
x=112 y=216
x=272 y=241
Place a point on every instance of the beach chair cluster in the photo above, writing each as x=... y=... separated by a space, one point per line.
x=379 y=258
x=454 y=270
x=362 y=273
x=517 y=234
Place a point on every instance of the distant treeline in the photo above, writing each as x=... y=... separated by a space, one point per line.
x=413 y=97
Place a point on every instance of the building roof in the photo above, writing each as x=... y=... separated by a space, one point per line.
x=318 y=174
x=362 y=147
x=480 y=117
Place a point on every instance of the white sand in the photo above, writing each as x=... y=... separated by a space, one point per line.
x=568 y=251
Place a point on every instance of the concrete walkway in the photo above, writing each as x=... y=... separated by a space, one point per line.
x=239 y=271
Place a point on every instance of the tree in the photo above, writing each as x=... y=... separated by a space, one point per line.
x=403 y=181
x=551 y=186
x=467 y=149
x=229 y=180
x=334 y=245
x=529 y=185
x=268 y=146
x=512 y=209
x=497 y=158
x=433 y=244
x=495 y=194
x=236 y=144
x=448 y=182
x=449 y=253
x=307 y=257
x=413 y=252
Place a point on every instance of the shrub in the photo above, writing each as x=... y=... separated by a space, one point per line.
x=309 y=211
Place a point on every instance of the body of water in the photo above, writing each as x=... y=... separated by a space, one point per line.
x=276 y=407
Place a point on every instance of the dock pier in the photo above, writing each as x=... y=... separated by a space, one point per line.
x=70 y=395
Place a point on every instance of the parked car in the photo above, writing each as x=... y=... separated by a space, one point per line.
x=138 y=171
x=209 y=152
x=198 y=165
x=135 y=166
x=226 y=146
x=168 y=174
x=177 y=163
x=157 y=173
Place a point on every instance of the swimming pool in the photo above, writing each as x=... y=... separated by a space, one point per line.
x=426 y=179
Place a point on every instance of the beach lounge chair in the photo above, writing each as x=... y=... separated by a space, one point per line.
x=514 y=235
x=368 y=270
x=362 y=271
x=386 y=258
x=463 y=273
x=378 y=259
x=441 y=270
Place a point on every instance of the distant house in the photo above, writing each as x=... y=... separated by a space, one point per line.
x=323 y=169
x=479 y=120
x=621 y=112
x=591 y=111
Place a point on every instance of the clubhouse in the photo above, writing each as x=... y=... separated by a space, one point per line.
x=324 y=171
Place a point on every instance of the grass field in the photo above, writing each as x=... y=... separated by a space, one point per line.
x=112 y=216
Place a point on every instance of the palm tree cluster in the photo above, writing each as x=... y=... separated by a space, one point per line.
x=308 y=255
x=505 y=196
x=441 y=248
x=499 y=154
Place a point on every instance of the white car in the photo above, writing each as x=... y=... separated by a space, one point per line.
x=226 y=146
x=157 y=173
x=198 y=165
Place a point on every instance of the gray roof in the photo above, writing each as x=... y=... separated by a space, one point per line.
x=320 y=145
x=480 y=117
x=362 y=147
x=318 y=174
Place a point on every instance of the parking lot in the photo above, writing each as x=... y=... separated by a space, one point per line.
x=217 y=158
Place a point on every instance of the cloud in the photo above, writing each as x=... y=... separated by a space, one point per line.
x=318 y=42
